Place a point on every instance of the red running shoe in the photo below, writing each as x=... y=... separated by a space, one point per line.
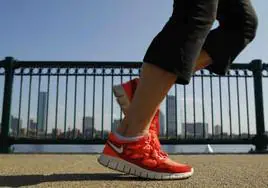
x=141 y=158
x=124 y=94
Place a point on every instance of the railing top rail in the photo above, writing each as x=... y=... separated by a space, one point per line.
x=75 y=64
x=240 y=66
x=99 y=64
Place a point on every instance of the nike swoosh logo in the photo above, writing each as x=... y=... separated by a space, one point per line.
x=117 y=149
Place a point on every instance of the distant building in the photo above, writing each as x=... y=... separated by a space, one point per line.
x=88 y=126
x=32 y=129
x=171 y=115
x=162 y=123
x=76 y=133
x=42 y=111
x=33 y=125
x=56 y=132
x=23 y=132
x=69 y=133
x=199 y=130
x=72 y=133
x=15 y=125
x=217 y=130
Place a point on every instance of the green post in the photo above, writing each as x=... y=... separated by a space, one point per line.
x=8 y=65
x=260 y=140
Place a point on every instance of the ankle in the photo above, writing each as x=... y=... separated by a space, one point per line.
x=129 y=128
x=127 y=138
x=135 y=133
x=128 y=133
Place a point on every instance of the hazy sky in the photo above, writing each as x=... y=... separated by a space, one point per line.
x=96 y=30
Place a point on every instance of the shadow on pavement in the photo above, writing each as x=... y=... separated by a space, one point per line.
x=24 y=180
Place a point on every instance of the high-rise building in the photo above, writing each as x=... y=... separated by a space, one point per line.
x=195 y=129
x=217 y=130
x=42 y=111
x=15 y=124
x=32 y=128
x=88 y=126
x=171 y=115
x=162 y=123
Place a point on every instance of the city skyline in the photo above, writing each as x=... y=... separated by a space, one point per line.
x=171 y=119
x=192 y=128
x=197 y=129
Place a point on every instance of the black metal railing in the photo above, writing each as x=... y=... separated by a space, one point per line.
x=72 y=103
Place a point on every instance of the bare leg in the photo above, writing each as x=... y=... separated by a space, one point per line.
x=146 y=99
x=153 y=86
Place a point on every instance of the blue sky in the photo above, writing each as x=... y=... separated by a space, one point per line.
x=80 y=30
x=96 y=30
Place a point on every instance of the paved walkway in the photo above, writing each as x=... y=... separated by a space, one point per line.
x=48 y=170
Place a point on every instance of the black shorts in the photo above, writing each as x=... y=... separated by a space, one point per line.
x=188 y=31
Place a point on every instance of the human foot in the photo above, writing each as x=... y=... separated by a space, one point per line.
x=141 y=158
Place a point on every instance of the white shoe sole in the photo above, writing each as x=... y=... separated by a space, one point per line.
x=132 y=169
x=121 y=97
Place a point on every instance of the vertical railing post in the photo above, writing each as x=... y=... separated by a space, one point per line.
x=260 y=140
x=8 y=65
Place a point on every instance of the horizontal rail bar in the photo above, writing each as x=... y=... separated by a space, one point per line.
x=76 y=64
x=96 y=64
x=102 y=141
x=114 y=74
